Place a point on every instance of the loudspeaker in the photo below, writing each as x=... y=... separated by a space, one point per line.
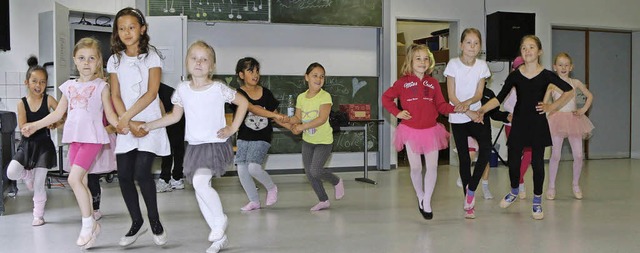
x=504 y=32
x=5 y=43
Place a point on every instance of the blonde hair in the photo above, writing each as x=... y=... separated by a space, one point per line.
x=408 y=61
x=210 y=51
x=94 y=44
x=562 y=54
x=468 y=31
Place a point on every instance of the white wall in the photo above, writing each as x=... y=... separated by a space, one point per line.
x=614 y=14
x=635 y=96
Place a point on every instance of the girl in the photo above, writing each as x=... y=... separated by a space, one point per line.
x=134 y=70
x=465 y=83
x=36 y=153
x=509 y=104
x=529 y=125
x=209 y=151
x=494 y=114
x=84 y=100
x=312 y=120
x=568 y=122
x=105 y=163
x=421 y=99
x=254 y=136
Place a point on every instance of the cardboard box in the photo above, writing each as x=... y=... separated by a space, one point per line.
x=357 y=112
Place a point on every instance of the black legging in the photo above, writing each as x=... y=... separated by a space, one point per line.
x=93 y=181
x=537 y=165
x=138 y=163
x=482 y=134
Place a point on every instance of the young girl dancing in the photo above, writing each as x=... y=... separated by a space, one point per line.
x=569 y=122
x=509 y=104
x=529 y=124
x=312 y=120
x=465 y=84
x=209 y=151
x=254 y=136
x=84 y=101
x=421 y=99
x=134 y=70
x=36 y=153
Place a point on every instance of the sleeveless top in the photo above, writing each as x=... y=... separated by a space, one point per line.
x=569 y=106
x=42 y=112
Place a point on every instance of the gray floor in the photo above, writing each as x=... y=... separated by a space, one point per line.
x=371 y=218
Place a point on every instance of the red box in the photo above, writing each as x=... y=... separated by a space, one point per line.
x=357 y=112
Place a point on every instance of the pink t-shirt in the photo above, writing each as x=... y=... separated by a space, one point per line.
x=84 y=112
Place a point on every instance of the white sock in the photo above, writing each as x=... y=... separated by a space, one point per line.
x=485 y=182
x=87 y=226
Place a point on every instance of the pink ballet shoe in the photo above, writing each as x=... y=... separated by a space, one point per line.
x=551 y=193
x=272 y=196
x=251 y=206
x=339 y=190
x=320 y=206
x=577 y=192
x=37 y=221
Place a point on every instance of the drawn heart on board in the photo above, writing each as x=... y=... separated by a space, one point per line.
x=228 y=79
x=357 y=85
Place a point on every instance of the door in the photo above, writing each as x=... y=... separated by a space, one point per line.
x=610 y=82
x=172 y=45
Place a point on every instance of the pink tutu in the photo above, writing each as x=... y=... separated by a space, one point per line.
x=422 y=141
x=566 y=124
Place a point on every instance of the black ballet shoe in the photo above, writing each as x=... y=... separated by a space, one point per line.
x=425 y=215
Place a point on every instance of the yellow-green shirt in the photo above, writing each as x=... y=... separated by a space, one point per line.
x=310 y=108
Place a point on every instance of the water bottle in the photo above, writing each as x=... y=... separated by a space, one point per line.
x=291 y=108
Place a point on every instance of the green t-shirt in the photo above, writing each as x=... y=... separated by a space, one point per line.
x=310 y=108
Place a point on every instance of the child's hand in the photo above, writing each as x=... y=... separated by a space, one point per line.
x=510 y=117
x=122 y=126
x=461 y=107
x=110 y=129
x=27 y=129
x=475 y=116
x=279 y=117
x=404 y=114
x=579 y=112
x=543 y=108
x=226 y=132
x=134 y=127
x=296 y=129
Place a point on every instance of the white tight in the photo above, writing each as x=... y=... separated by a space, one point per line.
x=430 y=176
x=15 y=171
x=556 y=151
x=208 y=199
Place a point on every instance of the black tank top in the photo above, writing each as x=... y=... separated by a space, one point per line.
x=42 y=112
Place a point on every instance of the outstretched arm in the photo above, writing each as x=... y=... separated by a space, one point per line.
x=29 y=128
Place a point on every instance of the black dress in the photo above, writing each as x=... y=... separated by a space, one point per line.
x=529 y=127
x=37 y=150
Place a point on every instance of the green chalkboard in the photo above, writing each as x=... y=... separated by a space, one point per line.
x=328 y=12
x=343 y=90
x=212 y=10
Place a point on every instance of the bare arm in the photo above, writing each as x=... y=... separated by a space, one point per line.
x=29 y=128
x=322 y=118
x=169 y=119
x=588 y=102
x=111 y=115
x=22 y=114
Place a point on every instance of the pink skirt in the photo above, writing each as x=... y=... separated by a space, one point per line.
x=422 y=141
x=566 y=124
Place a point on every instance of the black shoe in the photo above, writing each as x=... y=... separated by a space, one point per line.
x=425 y=215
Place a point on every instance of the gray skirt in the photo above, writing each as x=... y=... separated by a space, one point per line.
x=251 y=152
x=215 y=156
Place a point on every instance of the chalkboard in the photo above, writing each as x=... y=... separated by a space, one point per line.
x=343 y=90
x=328 y=12
x=212 y=10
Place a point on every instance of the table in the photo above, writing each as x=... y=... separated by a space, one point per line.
x=364 y=129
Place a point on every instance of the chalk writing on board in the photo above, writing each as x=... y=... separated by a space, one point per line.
x=304 y=4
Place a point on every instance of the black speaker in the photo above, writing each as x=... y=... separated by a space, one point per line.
x=5 y=43
x=504 y=32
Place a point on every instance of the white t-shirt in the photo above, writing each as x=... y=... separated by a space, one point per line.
x=133 y=77
x=466 y=84
x=203 y=111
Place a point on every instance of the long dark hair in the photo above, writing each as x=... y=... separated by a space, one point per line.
x=143 y=44
x=246 y=63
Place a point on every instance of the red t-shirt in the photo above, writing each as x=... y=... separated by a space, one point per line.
x=421 y=97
